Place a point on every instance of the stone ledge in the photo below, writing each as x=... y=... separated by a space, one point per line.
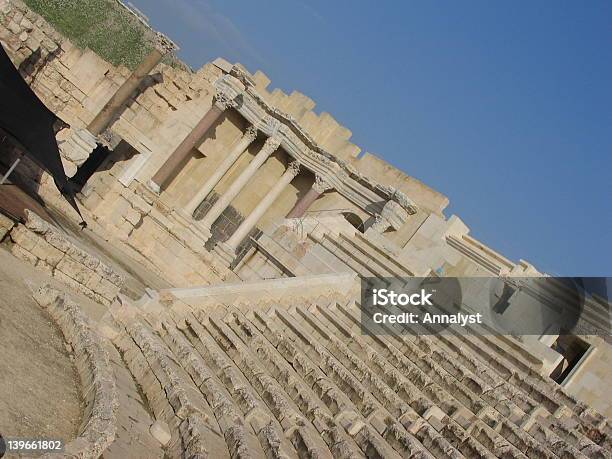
x=43 y=246
x=98 y=428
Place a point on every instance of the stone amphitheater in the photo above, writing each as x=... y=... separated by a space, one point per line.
x=212 y=306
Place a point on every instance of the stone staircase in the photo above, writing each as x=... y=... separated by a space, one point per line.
x=299 y=379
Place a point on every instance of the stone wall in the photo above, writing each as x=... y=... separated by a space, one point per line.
x=43 y=246
x=77 y=83
x=129 y=216
x=6 y=224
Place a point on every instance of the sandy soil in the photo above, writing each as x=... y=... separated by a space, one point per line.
x=39 y=387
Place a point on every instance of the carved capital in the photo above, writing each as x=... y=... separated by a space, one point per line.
x=272 y=143
x=251 y=133
x=406 y=202
x=294 y=168
x=223 y=101
x=321 y=185
x=270 y=124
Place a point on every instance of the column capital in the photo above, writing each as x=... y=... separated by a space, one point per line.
x=223 y=101
x=321 y=185
x=251 y=133
x=294 y=168
x=272 y=143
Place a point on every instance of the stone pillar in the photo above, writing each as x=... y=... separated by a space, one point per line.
x=161 y=177
x=226 y=198
x=112 y=107
x=319 y=187
x=249 y=223
x=237 y=149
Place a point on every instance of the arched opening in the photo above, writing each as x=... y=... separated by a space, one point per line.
x=354 y=220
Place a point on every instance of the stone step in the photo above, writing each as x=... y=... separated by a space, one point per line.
x=367 y=438
x=197 y=425
x=377 y=255
x=365 y=402
x=279 y=403
x=306 y=400
x=353 y=257
x=303 y=371
x=518 y=416
x=241 y=441
x=386 y=395
x=395 y=379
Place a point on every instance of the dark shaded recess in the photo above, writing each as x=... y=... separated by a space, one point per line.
x=87 y=169
x=355 y=221
x=572 y=348
x=31 y=125
x=227 y=223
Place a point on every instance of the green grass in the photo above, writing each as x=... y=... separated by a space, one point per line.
x=100 y=25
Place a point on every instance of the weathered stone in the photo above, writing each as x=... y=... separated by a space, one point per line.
x=160 y=431
x=275 y=367
x=24 y=254
x=47 y=252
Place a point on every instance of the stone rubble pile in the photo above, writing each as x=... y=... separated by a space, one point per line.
x=45 y=247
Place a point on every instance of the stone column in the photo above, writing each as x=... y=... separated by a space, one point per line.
x=249 y=223
x=226 y=198
x=112 y=107
x=237 y=149
x=319 y=187
x=161 y=177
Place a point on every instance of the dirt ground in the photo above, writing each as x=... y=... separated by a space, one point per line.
x=37 y=378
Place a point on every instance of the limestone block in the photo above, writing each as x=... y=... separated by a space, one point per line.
x=160 y=431
x=47 y=252
x=109 y=274
x=124 y=229
x=75 y=270
x=78 y=146
x=140 y=204
x=24 y=254
x=18 y=16
x=92 y=201
x=82 y=257
x=72 y=283
x=44 y=266
x=5 y=6
x=6 y=222
x=106 y=289
x=93 y=282
x=133 y=216
x=14 y=27
x=21 y=236
x=69 y=167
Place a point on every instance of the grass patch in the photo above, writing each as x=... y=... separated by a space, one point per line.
x=103 y=26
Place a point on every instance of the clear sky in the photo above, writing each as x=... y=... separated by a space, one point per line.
x=504 y=107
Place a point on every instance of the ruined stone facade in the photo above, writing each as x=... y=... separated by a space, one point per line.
x=262 y=215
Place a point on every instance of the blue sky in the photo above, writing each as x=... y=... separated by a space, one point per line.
x=505 y=107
